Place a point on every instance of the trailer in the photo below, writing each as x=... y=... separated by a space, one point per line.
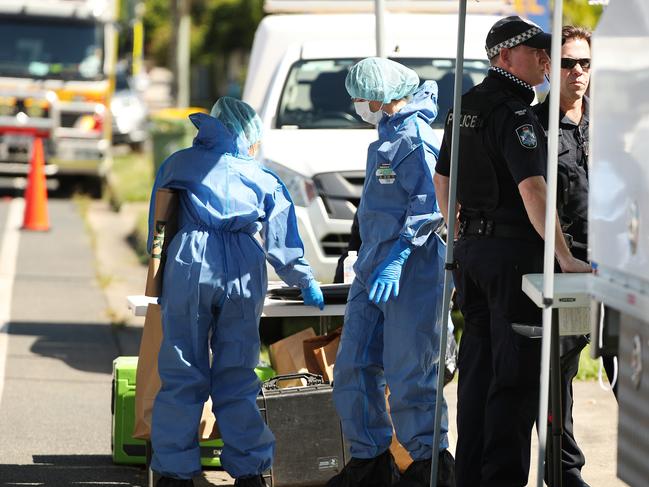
x=619 y=219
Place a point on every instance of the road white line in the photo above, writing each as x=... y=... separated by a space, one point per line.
x=8 y=256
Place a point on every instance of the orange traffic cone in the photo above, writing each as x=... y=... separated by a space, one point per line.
x=36 y=216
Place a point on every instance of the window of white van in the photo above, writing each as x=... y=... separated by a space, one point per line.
x=314 y=95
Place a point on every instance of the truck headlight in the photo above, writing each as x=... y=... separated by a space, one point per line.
x=301 y=188
x=92 y=122
x=89 y=123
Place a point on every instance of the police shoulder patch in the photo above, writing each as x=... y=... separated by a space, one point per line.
x=526 y=136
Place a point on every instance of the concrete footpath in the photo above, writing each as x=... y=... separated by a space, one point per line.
x=595 y=409
x=55 y=418
x=595 y=416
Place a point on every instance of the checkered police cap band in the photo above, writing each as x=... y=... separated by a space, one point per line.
x=510 y=76
x=513 y=41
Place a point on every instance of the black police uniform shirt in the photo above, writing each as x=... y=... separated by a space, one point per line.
x=513 y=138
x=572 y=184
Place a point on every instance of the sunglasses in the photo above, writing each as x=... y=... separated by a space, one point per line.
x=569 y=63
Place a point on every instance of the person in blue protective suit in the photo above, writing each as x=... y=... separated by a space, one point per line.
x=213 y=294
x=394 y=308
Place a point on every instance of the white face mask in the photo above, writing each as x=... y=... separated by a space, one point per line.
x=363 y=110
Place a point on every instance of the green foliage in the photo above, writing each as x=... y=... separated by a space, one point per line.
x=131 y=177
x=157 y=31
x=138 y=238
x=580 y=13
x=219 y=27
x=588 y=367
x=227 y=25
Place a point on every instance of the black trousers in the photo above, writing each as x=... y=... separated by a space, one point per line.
x=609 y=367
x=572 y=458
x=499 y=370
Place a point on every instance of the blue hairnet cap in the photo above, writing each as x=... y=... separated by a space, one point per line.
x=380 y=79
x=239 y=118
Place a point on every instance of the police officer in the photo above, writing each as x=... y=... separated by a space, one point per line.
x=501 y=203
x=572 y=208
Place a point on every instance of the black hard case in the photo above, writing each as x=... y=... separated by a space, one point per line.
x=309 y=447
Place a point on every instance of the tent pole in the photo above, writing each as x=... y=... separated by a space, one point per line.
x=448 y=274
x=549 y=247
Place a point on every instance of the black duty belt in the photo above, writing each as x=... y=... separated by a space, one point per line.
x=483 y=227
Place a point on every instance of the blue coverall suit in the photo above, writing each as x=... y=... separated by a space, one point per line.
x=214 y=285
x=398 y=341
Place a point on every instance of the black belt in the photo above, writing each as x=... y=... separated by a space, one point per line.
x=483 y=227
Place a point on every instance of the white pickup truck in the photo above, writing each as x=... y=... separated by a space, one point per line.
x=313 y=139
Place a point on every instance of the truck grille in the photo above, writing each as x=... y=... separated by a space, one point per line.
x=334 y=244
x=68 y=119
x=340 y=192
x=341 y=195
x=16 y=150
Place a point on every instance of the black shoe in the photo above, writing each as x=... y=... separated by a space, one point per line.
x=379 y=471
x=252 y=481
x=418 y=473
x=171 y=482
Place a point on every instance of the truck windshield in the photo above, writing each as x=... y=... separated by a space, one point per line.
x=314 y=95
x=41 y=47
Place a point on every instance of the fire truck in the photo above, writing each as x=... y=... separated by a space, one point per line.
x=56 y=63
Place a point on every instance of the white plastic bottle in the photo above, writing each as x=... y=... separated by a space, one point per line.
x=348 y=267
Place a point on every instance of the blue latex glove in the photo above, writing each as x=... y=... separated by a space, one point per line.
x=312 y=295
x=385 y=280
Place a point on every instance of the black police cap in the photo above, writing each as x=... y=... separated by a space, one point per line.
x=512 y=31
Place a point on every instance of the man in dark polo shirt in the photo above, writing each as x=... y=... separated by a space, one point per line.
x=572 y=208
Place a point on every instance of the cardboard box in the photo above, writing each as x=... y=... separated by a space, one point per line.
x=326 y=357
x=320 y=354
x=401 y=456
x=287 y=355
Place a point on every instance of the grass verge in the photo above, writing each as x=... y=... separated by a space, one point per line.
x=131 y=178
x=138 y=237
x=588 y=367
x=104 y=279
